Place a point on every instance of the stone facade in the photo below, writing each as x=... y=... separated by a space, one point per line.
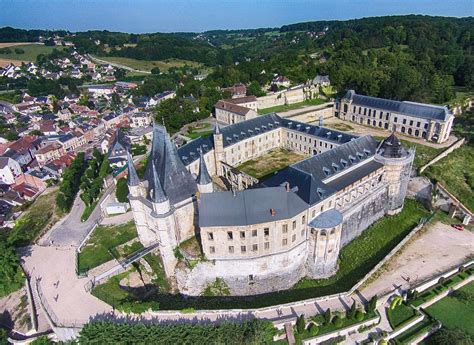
x=265 y=239
x=426 y=121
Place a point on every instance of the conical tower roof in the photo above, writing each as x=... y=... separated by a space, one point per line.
x=158 y=192
x=133 y=179
x=203 y=177
x=391 y=147
x=217 y=129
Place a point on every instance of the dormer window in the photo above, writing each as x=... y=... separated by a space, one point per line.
x=339 y=137
x=228 y=139
x=236 y=136
x=326 y=171
x=367 y=152
x=277 y=123
x=307 y=128
x=335 y=167
x=264 y=127
x=270 y=125
x=352 y=158
x=360 y=155
x=328 y=134
x=343 y=163
x=320 y=192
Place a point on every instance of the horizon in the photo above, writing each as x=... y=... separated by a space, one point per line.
x=140 y=16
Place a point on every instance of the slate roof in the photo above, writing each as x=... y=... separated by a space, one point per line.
x=203 y=177
x=246 y=129
x=232 y=107
x=176 y=181
x=132 y=177
x=420 y=110
x=327 y=219
x=250 y=206
x=391 y=147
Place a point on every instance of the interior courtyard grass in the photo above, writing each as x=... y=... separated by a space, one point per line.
x=97 y=249
x=270 y=163
x=356 y=260
x=454 y=312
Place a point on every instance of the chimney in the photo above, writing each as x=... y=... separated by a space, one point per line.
x=272 y=212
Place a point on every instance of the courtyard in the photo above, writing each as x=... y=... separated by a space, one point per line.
x=270 y=163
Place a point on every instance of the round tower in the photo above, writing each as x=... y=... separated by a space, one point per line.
x=398 y=162
x=324 y=243
x=218 y=149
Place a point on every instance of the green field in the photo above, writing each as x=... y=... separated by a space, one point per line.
x=31 y=51
x=282 y=108
x=98 y=249
x=270 y=163
x=455 y=172
x=400 y=315
x=146 y=65
x=454 y=313
x=424 y=153
x=356 y=259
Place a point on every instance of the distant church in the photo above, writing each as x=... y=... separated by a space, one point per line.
x=266 y=235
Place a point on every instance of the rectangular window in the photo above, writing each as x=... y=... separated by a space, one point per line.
x=212 y=250
x=243 y=249
x=254 y=247
x=418 y=124
x=293 y=238
x=294 y=224
x=313 y=213
x=266 y=232
x=230 y=235
x=210 y=236
x=242 y=234
x=267 y=245
x=254 y=233
x=284 y=228
x=395 y=119
x=303 y=220
x=302 y=233
x=284 y=242
x=231 y=249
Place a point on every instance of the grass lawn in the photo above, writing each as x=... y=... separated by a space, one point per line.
x=104 y=238
x=31 y=52
x=454 y=312
x=400 y=315
x=37 y=218
x=356 y=260
x=413 y=332
x=456 y=174
x=282 y=108
x=147 y=65
x=270 y=163
x=339 y=126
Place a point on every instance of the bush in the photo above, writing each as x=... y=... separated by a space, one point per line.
x=300 y=324
x=313 y=329
x=372 y=304
x=352 y=311
x=359 y=315
x=327 y=316
x=122 y=190
x=337 y=322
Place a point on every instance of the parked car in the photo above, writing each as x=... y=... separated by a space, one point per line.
x=459 y=227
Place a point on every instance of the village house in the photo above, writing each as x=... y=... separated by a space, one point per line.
x=9 y=170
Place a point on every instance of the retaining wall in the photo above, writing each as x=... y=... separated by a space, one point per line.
x=443 y=154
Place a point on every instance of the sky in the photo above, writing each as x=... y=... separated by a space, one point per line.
x=141 y=16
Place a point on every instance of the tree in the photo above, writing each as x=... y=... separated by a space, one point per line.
x=36 y=132
x=337 y=322
x=359 y=315
x=254 y=89
x=451 y=336
x=372 y=305
x=155 y=71
x=122 y=190
x=11 y=274
x=327 y=316
x=300 y=324
x=352 y=311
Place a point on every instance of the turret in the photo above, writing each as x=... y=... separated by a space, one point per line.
x=398 y=162
x=218 y=149
x=204 y=181
x=161 y=203
x=132 y=178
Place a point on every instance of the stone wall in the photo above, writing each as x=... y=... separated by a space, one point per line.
x=360 y=216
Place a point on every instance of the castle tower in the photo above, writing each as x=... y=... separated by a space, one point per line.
x=398 y=162
x=218 y=149
x=136 y=196
x=324 y=243
x=204 y=181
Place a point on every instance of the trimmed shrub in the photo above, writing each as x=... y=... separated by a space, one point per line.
x=359 y=315
x=300 y=324
x=337 y=322
x=313 y=329
x=327 y=316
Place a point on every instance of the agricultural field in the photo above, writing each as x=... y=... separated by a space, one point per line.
x=18 y=53
x=270 y=163
x=146 y=65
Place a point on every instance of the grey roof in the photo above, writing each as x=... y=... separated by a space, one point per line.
x=176 y=181
x=157 y=195
x=391 y=147
x=246 y=129
x=133 y=179
x=119 y=146
x=345 y=180
x=308 y=175
x=420 y=110
x=203 y=177
x=327 y=219
x=251 y=206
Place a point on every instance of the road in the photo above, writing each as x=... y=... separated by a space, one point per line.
x=103 y=62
